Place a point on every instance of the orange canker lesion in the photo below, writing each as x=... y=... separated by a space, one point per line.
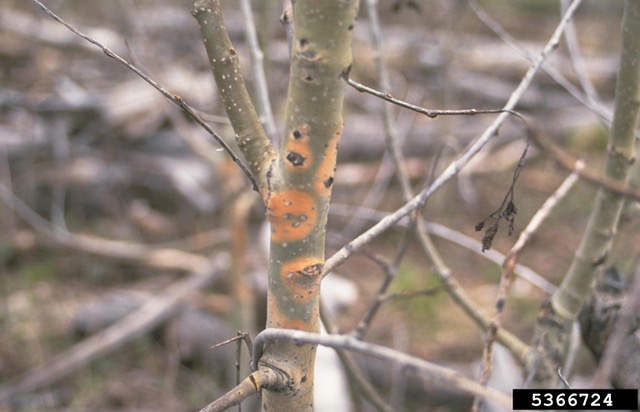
x=323 y=179
x=301 y=276
x=292 y=214
x=279 y=318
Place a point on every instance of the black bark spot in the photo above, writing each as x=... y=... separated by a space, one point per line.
x=253 y=381
x=328 y=182
x=295 y=159
x=312 y=271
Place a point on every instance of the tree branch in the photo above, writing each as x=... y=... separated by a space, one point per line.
x=432 y=113
x=300 y=185
x=251 y=385
x=454 y=378
x=224 y=61
x=260 y=82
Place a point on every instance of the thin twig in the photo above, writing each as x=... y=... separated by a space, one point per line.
x=593 y=105
x=577 y=59
x=545 y=210
x=239 y=337
x=393 y=145
x=431 y=113
x=175 y=99
x=524 y=272
x=237 y=366
x=564 y=380
x=507 y=209
x=257 y=64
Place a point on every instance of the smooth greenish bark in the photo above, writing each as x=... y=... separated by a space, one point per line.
x=300 y=187
x=225 y=65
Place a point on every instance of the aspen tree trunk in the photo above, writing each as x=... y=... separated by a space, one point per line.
x=300 y=188
x=295 y=184
x=557 y=316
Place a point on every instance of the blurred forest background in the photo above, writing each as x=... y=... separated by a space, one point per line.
x=98 y=153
